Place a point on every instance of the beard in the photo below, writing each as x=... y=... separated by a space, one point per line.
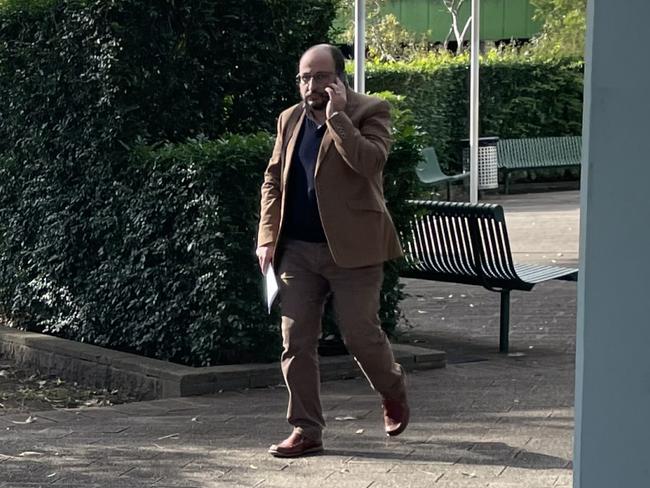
x=316 y=100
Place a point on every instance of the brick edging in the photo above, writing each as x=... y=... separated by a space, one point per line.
x=148 y=379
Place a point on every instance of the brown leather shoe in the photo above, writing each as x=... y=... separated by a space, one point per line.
x=396 y=415
x=296 y=445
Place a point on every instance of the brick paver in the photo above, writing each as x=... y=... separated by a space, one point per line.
x=486 y=420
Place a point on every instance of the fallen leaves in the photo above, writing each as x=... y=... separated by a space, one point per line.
x=22 y=391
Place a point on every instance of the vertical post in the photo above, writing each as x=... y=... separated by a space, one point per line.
x=612 y=398
x=473 y=104
x=360 y=46
x=504 y=321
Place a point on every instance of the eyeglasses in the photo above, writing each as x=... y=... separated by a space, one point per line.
x=319 y=78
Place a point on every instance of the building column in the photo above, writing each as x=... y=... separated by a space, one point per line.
x=612 y=436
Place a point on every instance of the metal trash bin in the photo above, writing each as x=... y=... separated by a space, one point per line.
x=488 y=173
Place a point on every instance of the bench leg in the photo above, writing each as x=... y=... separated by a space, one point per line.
x=504 y=321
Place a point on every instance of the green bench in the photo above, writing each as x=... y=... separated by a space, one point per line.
x=468 y=243
x=535 y=153
x=430 y=173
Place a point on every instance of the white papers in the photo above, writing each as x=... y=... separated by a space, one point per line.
x=271 y=286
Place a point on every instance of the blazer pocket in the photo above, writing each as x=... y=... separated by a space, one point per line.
x=366 y=204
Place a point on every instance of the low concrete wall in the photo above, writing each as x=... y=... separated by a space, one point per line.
x=148 y=379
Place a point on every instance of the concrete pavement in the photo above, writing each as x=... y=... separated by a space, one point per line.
x=486 y=420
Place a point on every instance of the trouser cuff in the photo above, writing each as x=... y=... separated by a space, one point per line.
x=310 y=433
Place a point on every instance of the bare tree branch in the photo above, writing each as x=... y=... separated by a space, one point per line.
x=453 y=6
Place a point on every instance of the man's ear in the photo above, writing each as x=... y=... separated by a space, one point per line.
x=343 y=77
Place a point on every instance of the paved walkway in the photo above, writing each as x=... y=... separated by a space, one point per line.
x=486 y=420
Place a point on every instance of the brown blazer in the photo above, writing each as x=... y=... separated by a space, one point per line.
x=348 y=181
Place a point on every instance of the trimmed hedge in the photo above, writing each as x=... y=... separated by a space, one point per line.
x=113 y=230
x=520 y=97
x=400 y=184
x=85 y=74
x=172 y=273
x=158 y=258
x=101 y=246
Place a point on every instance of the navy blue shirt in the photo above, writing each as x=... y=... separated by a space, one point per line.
x=302 y=217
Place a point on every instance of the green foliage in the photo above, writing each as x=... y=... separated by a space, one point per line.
x=159 y=70
x=400 y=185
x=20 y=7
x=157 y=259
x=148 y=251
x=109 y=234
x=520 y=96
x=111 y=237
x=563 y=33
x=386 y=39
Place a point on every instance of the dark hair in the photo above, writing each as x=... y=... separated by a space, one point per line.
x=337 y=56
x=339 y=62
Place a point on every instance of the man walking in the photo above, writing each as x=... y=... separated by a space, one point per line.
x=325 y=228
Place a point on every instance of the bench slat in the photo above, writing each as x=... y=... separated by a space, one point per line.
x=539 y=273
x=529 y=153
x=468 y=243
x=498 y=264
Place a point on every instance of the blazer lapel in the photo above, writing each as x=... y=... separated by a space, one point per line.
x=325 y=145
x=291 y=146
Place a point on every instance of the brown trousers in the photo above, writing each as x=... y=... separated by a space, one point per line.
x=308 y=274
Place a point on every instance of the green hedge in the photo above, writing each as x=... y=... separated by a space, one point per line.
x=96 y=245
x=113 y=230
x=158 y=258
x=520 y=96
x=85 y=74
x=400 y=185
x=172 y=273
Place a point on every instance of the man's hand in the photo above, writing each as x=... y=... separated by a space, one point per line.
x=265 y=256
x=338 y=98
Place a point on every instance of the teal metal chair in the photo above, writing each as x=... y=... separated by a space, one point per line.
x=430 y=173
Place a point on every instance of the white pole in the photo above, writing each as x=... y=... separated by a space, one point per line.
x=473 y=104
x=359 y=46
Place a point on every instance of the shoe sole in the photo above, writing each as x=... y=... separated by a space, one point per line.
x=400 y=429
x=306 y=452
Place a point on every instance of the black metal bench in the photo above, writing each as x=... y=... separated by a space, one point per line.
x=468 y=243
